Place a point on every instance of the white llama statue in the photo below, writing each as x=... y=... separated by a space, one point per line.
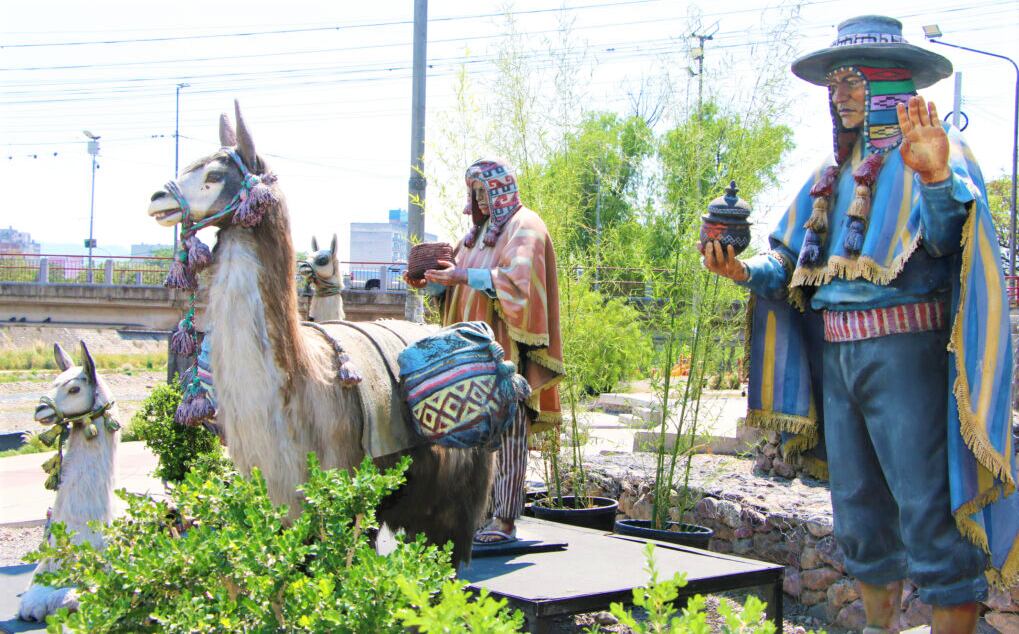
x=322 y=271
x=84 y=416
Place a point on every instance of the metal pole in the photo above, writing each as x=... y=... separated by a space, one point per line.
x=93 y=148
x=176 y=150
x=413 y=309
x=1015 y=144
x=957 y=102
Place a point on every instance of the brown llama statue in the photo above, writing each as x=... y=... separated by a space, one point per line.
x=284 y=389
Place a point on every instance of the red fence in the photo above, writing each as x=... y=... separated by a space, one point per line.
x=1012 y=285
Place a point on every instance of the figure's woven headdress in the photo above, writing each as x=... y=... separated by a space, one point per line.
x=873 y=48
x=500 y=186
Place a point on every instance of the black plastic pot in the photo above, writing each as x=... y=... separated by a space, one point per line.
x=684 y=535
x=601 y=516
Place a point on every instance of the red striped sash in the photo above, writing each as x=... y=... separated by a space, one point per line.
x=856 y=325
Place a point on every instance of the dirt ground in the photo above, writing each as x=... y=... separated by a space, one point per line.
x=19 y=398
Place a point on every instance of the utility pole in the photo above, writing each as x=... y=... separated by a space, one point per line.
x=413 y=309
x=176 y=151
x=957 y=102
x=698 y=55
x=93 y=149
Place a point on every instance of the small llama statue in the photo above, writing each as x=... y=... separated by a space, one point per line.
x=322 y=272
x=85 y=430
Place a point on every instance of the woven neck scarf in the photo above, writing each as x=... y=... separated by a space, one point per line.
x=886 y=87
x=500 y=187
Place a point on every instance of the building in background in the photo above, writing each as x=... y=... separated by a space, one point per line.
x=378 y=252
x=13 y=241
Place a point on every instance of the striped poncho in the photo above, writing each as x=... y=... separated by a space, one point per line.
x=785 y=340
x=525 y=312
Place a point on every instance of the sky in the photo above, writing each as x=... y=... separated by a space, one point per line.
x=327 y=92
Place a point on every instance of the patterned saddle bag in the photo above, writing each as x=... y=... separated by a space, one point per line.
x=459 y=389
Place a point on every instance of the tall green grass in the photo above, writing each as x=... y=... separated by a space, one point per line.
x=40 y=357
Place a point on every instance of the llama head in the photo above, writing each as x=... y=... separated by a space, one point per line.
x=321 y=263
x=212 y=182
x=76 y=391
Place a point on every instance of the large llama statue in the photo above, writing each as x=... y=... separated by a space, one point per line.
x=84 y=416
x=322 y=271
x=284 y=389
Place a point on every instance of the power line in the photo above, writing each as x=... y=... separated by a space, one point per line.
x=339 y=27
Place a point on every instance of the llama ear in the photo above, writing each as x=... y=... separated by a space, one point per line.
x=332 y=246
x=87 y=363
x=245 y=144
x=227 y=136
x=63 y=359
x=314 y=244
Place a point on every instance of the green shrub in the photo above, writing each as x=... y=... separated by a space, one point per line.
x=658 y=600
x=219 y=557
x=177 y=446
x=602 y=340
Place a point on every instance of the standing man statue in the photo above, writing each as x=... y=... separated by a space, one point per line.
x=880 y=313
x=504 y=273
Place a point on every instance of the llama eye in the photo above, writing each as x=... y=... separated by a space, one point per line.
x=214 y=177
x=74 y=390
x=322 y=260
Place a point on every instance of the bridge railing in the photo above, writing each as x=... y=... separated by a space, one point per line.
x=56 y=268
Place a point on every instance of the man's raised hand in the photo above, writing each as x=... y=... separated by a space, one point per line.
x=924 y=142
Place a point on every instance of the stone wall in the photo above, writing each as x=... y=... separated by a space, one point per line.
x=778 y=520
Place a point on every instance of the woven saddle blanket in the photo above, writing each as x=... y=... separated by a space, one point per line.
x=373 y=347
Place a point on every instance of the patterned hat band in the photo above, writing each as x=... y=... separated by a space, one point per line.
x=869 y=38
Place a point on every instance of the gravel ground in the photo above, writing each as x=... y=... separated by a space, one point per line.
x=15 y=542
x=19 y=398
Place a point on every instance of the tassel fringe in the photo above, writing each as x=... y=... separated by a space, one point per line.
x=194 y=410
x=183 y=340
x=256 y=201
x=180 y=276
x=818 y=221
x=199 y=255
x=348 y=373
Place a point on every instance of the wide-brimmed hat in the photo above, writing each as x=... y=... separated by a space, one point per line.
x=872 y=37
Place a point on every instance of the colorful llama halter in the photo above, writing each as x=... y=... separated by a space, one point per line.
x=62 y=429
x=247 y=207
x=500 y=185
x=886 y=87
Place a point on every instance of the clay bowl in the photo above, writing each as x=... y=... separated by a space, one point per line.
x=425 y=256
x=732 y=233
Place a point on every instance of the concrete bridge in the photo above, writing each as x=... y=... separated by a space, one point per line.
x=147 y=307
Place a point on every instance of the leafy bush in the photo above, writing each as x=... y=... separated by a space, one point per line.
x=219 y=557
x=658 y=600
x=602 y=340
x=177 y=446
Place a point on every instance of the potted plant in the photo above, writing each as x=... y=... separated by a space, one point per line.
x=687 y=310
x=584 y=310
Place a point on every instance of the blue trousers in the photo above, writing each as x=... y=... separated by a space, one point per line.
x=885 y=406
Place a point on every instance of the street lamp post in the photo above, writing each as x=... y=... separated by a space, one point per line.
x=176 y=150
x=93 y=149
x=931 y=32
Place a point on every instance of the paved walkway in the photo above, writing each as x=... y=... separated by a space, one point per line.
x=24 y=499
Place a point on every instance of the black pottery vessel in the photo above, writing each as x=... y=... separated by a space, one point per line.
x=726 y=221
